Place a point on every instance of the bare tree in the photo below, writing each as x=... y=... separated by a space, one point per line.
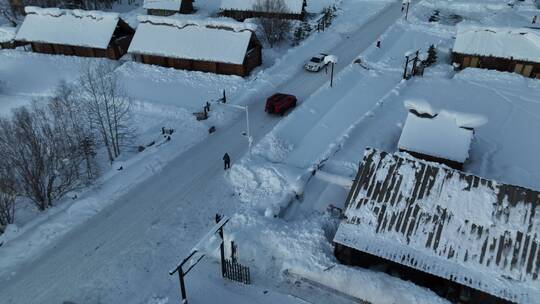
x=107 y=106
x=8 y=12
x=274 y=27
x=42 y=161
x=7 y=195
x=68 y=111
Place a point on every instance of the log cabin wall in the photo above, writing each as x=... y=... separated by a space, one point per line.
x=525 y=68
x=243 y=15
x=160 y=12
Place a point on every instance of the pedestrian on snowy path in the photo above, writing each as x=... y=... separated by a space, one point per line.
x=534 y=19
x=226 y=161
x=379 y=43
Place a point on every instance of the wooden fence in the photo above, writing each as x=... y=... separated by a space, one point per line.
x=237 y=272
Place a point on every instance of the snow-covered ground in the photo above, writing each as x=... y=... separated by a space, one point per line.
x=368 y=111
x=26 y=248
x=117 y=241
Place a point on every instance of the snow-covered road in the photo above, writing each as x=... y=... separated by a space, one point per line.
x=130 y=245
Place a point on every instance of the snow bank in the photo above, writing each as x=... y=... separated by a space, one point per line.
x=7 y=34
x=70 y=27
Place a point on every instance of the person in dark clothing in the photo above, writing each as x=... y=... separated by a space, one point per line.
x=226 y=161
x=378 y=43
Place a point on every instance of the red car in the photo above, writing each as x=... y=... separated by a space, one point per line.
x=279 y=103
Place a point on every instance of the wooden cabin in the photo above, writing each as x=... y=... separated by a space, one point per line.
x=221 y=47
x=244 y=9
x=514 y=50
x=17 y=6
x=440 y=137
x=7 y=37
x=168 y=7
x=75 y=32
x=435 y=225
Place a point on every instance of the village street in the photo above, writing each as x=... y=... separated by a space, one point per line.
x=126 y=245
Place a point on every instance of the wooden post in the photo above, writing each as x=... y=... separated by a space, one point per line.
x=182 y=286
x=233 y=252
x=332 y=75
x=415 y=60
x=407 y=10
x=406 y=66
x=221 y=246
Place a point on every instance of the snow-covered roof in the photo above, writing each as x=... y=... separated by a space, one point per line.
x=439 y=136
x=207 y=40
x=70 y=27
x=291 y=6
x=518 y=43
x=7 y=34
x=467 y=229
x=169 y=5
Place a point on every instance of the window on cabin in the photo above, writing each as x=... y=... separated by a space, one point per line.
x=527 y=70
x=474 y=62
x=518 y=68
x=466 y=61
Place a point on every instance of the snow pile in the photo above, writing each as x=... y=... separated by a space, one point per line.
x=501 y=42
x=70 y=27
x=170 y=5
x=208 y=41
x=7 y=34
x=292 y=6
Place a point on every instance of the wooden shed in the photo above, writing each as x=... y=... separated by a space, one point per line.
x=7 y=37
x=475 y=234
x=244 y=9
x=504 y=49
x=216 y=46
x=439 y=136
x=75 y=32
x=168 y=7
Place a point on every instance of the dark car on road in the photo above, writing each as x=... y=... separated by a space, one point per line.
x=279 y=103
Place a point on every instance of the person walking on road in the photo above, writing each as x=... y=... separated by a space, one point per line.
x=226 y=161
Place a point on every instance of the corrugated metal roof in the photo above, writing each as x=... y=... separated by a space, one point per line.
x=455 y=225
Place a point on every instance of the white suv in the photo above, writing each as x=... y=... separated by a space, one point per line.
x=316 y=63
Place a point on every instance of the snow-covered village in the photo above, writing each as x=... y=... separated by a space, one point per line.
x=269 y=151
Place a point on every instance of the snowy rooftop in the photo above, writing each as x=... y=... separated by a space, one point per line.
x=70 y=27
x=170 y=5
x=7 y=34
x=292 y=6
x=519 y=43
x=443 y=135
x=207 y=40
x=468 y=229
